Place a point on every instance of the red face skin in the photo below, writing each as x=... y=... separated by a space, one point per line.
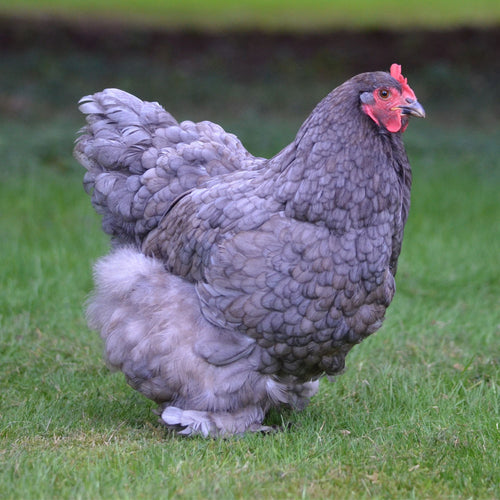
x=387 y=108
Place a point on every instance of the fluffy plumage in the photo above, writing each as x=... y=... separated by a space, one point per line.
x=236 y=282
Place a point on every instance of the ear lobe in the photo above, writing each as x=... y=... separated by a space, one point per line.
x=368 y=101
x=367 y=98
x=369 y=111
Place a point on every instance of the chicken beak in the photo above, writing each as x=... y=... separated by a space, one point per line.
x=412 y=108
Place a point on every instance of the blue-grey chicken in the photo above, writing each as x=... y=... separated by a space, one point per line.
x=234 y=283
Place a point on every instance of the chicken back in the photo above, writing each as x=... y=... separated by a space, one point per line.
x=234 y=282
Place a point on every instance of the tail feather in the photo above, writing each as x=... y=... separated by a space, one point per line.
x=139 y=159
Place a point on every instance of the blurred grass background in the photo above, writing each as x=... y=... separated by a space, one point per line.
x=294 y=15
x=417 y=413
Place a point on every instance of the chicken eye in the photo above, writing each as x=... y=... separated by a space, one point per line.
x=384 y=94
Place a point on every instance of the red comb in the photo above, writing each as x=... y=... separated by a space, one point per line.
x=396 y=74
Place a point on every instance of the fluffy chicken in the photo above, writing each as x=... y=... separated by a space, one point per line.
x=234 y=282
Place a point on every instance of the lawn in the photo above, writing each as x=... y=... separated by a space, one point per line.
x=271 y=14
x=416 y=415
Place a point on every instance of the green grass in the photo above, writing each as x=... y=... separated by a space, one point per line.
x=416 y=415
x=272 y=14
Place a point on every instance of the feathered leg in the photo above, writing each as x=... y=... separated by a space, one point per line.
x=206 y=423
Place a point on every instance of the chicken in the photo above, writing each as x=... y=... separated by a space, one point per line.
x=234 y=283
